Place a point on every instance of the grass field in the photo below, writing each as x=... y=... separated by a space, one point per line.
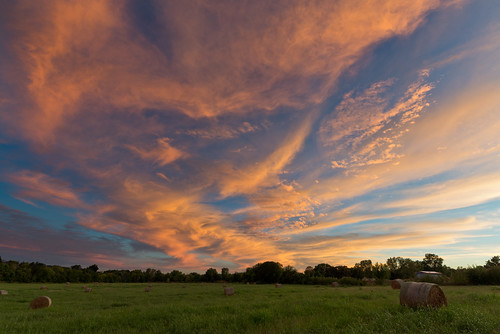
x=196 y=308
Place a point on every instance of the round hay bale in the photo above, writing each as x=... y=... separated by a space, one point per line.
x=228 y=291
x=40 y=302
x=396 y=284
x=335 y=284
x=4 y=292
x=415 y=294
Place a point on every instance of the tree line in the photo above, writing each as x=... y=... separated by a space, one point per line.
x=364 y=272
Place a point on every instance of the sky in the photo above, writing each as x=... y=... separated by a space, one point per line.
x=194 y=134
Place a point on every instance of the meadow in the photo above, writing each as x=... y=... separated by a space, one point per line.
x=203 y=308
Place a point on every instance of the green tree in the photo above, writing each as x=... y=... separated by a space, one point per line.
x=290 y=275
x=211 y=275
x=381 y=271
x=225 y=274
x=493 y=262
x=432 y=262
x=402 y=267
x=323 y=270
x=268 y=272
x=93 y=268
x=365 y=268
x=309 y=271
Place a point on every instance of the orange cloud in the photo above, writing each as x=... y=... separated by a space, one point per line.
x=162 y=155
x=41 y=187
x=77 y=53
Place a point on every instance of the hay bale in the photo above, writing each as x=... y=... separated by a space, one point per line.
x=228 y=291
x=40 y=302
x=4 y=292
x=277 y=285
x=415 y=294
x=88 y=290
x=335 y=284
x=396 y=284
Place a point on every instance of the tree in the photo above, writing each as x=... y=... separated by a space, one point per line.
x=289 y=275
x=493 y=262
x=323 y=270
x=365 y=267
x=93 y=268
x=177 y=276
x=225 y=274
x=211 y=275
x=381 y=271
x=309 y=272
x=268 y=272
x=432 y=262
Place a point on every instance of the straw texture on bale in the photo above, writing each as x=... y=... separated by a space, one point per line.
x=415 y=294
x=396 y=284
x=40 y=302
x=229 y=291
x=4 y=292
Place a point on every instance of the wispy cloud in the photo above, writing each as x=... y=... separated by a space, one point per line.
x=44 y=188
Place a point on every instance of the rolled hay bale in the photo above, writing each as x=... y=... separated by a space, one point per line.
x=396 y=284
x=277 y=285
x=4 y=292
x=415 y=294
x=228 y=291
x=40 y=302
x=88 y=289
x=335 y=284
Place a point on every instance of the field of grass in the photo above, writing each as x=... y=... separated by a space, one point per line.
x=197 y=308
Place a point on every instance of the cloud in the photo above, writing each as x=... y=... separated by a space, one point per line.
x=226 y=59
x=162 y=155
x=41 y=187
x=365 y=129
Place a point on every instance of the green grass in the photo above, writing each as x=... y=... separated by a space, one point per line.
x=170 y=308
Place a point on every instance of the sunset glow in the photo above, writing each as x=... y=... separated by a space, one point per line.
x=195 y=134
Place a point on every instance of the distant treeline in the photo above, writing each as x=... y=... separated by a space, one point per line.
x=364 y=272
